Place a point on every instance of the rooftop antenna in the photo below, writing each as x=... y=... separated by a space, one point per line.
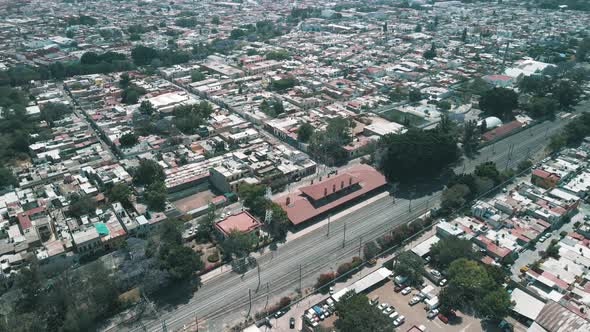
x=268 y=214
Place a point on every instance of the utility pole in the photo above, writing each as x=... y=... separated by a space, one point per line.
x=328 y=234
x=360 y=245
x=197 y=322
x=344 y=237
x=249 y=302
x=267 y=294
x=258 y=269
x=300 y=289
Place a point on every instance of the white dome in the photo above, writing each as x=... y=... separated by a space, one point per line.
x=491 y=122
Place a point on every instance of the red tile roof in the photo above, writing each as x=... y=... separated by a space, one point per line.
x=300 y=209
x=502 y=130
x=329 y=186
x=243 y=222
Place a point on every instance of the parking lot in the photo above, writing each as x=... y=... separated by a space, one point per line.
x=416 y=315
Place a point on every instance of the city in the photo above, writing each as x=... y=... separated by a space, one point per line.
x=407 y=165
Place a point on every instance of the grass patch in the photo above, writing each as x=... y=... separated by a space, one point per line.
x=403 y=118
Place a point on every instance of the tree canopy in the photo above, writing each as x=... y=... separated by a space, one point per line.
x=188 y=118
x=449 y=249
x=499 y=102
x=415 y=154
x=355 y=314
x=304 y=132
x=411 y=266
x=148 y=172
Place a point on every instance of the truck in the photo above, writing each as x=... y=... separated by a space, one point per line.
x=427 y=292
x=432 y=303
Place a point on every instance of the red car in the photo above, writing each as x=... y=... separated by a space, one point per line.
x=445 y=319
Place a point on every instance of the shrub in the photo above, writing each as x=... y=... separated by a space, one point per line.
x=214 y=257
x=563 y=234
x=284 y=302
x=324 y=279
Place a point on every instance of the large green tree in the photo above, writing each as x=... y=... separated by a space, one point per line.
x=355 y=314
x=449 y=249
x=411 y=266
x=415 y=154
x=148 y=172
x=499 y=102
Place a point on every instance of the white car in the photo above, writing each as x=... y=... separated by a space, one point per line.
x=415 y=300
x=406 y=290
x=399 y=321
x=542 y=239
x=394 y=315
x=382 y=306
x=388 y=310
x=331 y=290
x=435 y=273
x=442 y=282
x=432 y=313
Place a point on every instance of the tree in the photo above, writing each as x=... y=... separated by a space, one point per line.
x=524 y=165
x=7 y=178
x=415 y=95
x=327 y=144
x=418 y=28
x=583 y=48
x=143 y=55
x=52 y=111
x=464 y=35
x=124 y=81
x=131 y=94
x=449 y=249
x=155 y=196
x=542 y=107
x=148 y=172
x=414 y=154
x=238 y=244
x=120 y=192
x=444 y=105
x=370 y=250
x=470 y=137
x=81 y=205
x=430 y=53
x=556 y=142
x=146 y=108
x=253 y=198
x=552 y=251
x=215 y=20
x=188 y=118
x=490 y=171
x=455 y=197
x=566 y=93
x=128 y=140
x=197 y=75
x=538 y=85
x=411 y=266
x=499 y=102
x=324 y=279
x=495 y=304
x=304 y=132
x=356 y=314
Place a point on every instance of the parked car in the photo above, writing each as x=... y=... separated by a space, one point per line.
x=443 y=318
x=415 y=300
x=435 y=273
x=279 y=313
x=372 y=262
x=442 y=282
x=382 y=306
x=388 y=311
x=398 y=288
x=543 y=238
x=291 y=323
x=331 y=290
x=394 y=315
x=374 y=301
x=406 y=290
x=399 y=321
x=432 y=313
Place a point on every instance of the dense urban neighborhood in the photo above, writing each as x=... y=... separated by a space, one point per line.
x=251 y=165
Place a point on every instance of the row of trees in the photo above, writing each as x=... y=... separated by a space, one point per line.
x=573 y=133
